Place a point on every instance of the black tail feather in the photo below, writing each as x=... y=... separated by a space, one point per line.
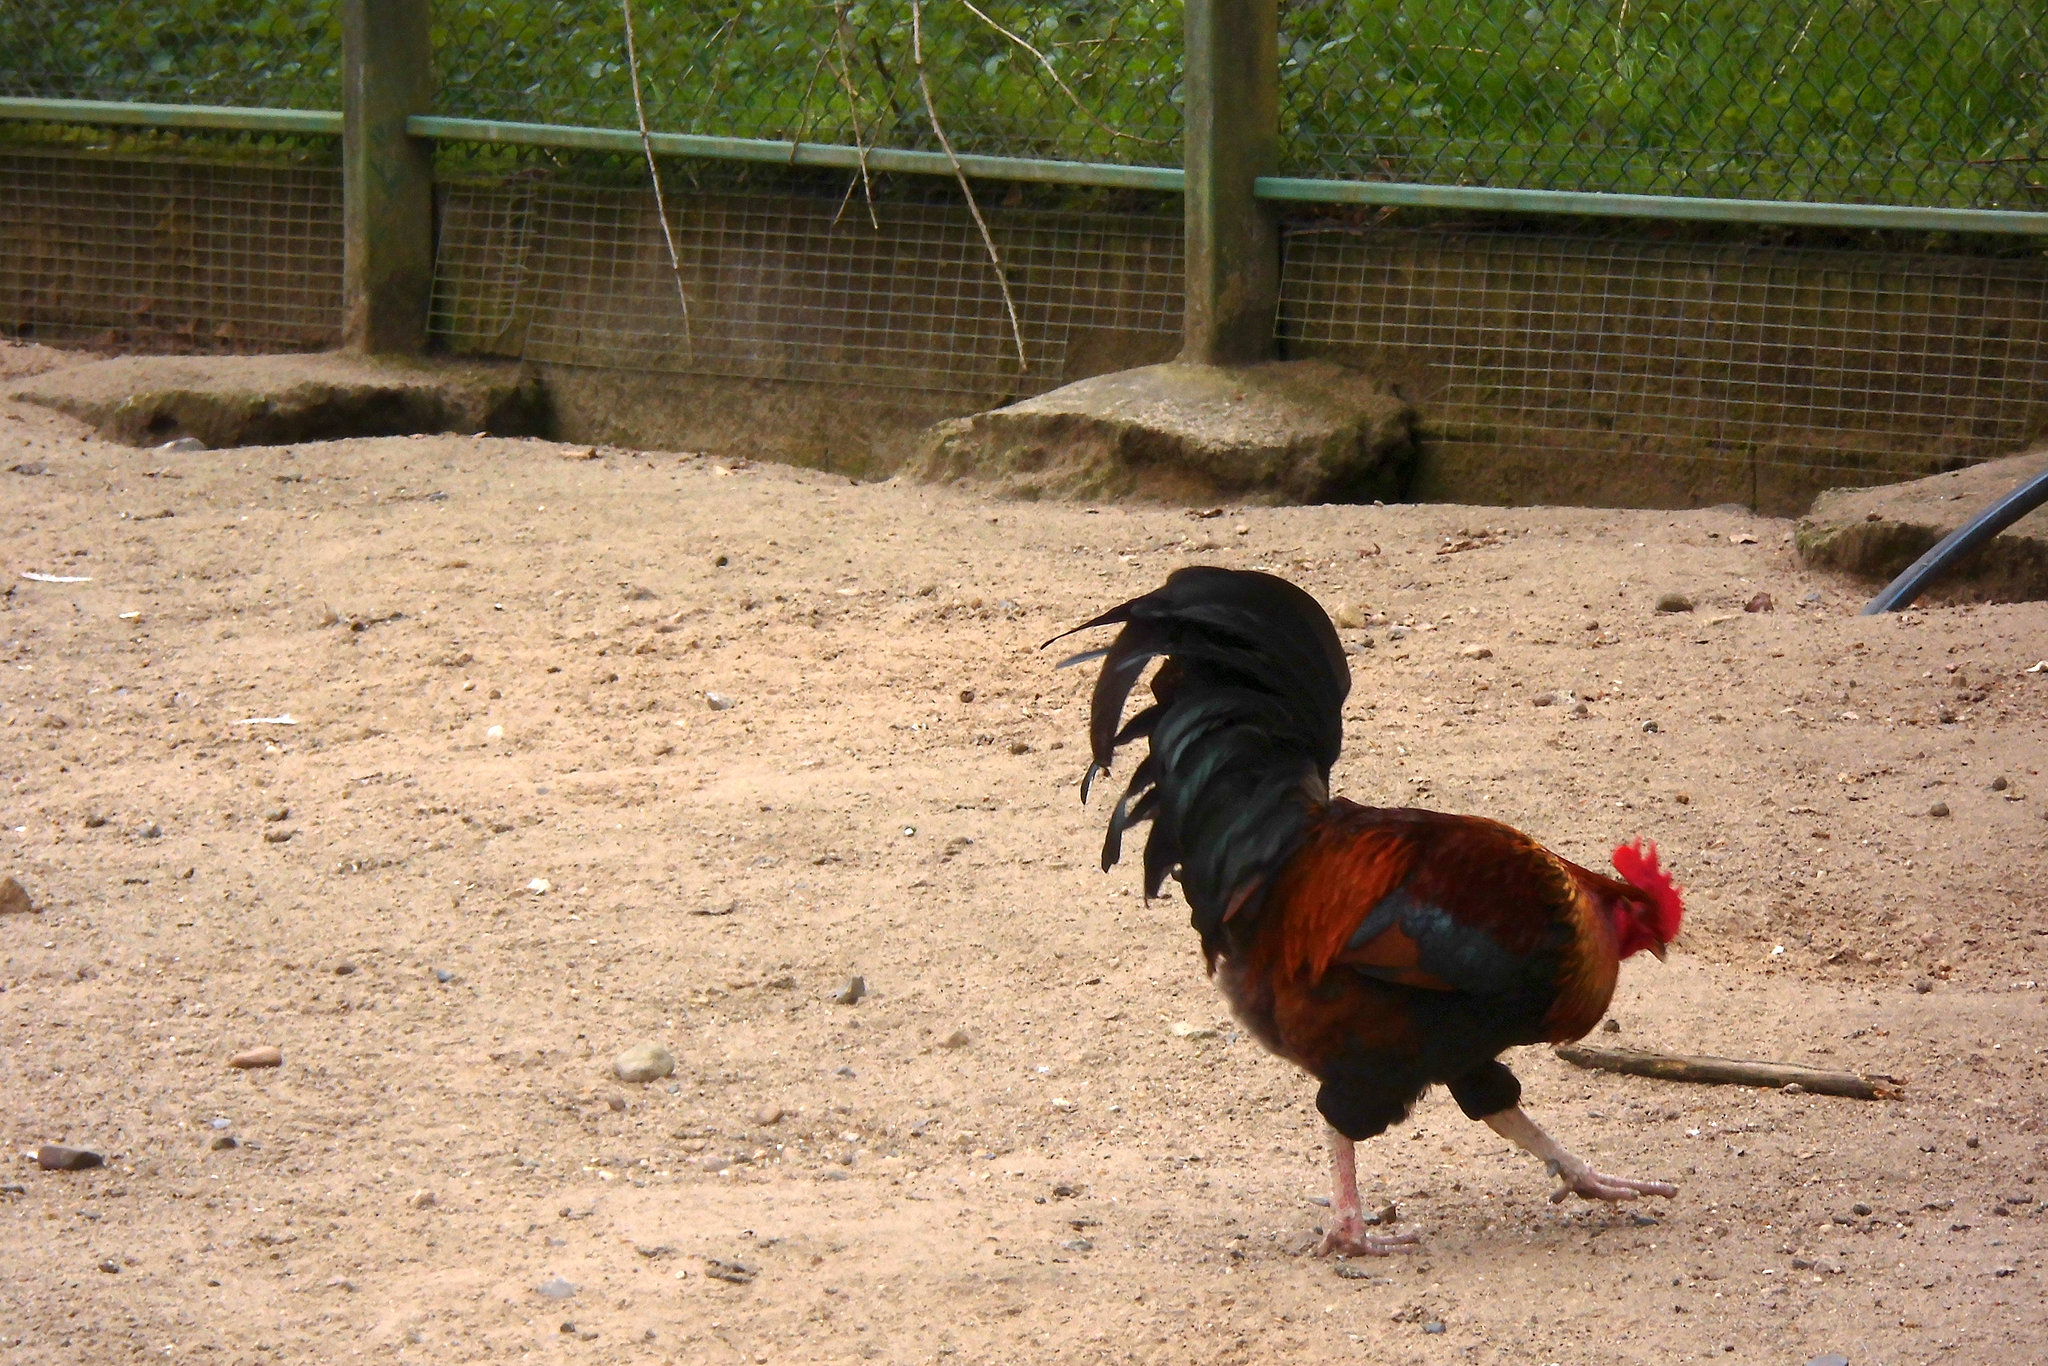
x=1247 y=723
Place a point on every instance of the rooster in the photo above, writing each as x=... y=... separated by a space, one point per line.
x=1381 y=950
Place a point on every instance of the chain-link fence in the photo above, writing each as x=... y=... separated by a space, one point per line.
x=1082 y=81
x=277 y=54
x=1938 y=104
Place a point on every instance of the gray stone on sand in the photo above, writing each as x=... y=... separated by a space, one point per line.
x=644 y=1062
x=272 y=400
x=1286 y=431
x=14 y=898
x=1876 y=532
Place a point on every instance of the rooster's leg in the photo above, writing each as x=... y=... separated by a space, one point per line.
x=1515 y=1126
x=1347 y=1234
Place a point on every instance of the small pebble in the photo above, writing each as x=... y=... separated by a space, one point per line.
x=1860 y=1210
x=843 y=1071
x=224 y=1143
x=344 y=969
x=109 y=1265
x=94 y=821
x=767 y=1115
x=1999 y=784
x=617 y=1104
x=422 y=1200
x=717 y=701
x=55 y=1157
x=1581 y=709
x=278 y=813
x=850 y=994
x=443 y=976
x=957 y=1039
x=967 y=694
x=183 y=445
x=1020 y=747
x=1433 y=1326
x=1181 y=1029
x=1674 y=602
x=248 y=1059
x=277 y=836
x=1610 y=1025
x=555 y=1288
x=539 y=886
x=644 y=1062
x=1923 y=985
x=14 y=898
x=1938 y=809
x=1650 y=727
x=1760 y=603
x=1475 y=652
x=1828 y=1359
x=495 y=733
x=151 y=831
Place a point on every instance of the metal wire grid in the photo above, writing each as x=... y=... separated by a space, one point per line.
x=831 y=71
x=785 y=286
x=156 y=255
x=280 y=54
x=1835 y=366
x=1940 y=104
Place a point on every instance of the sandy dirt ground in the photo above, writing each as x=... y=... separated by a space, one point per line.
x=651 y=746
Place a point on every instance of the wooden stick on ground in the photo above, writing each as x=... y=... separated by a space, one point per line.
x=1733 y=1072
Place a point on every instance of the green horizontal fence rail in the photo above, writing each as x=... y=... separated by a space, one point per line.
x=1167 y=179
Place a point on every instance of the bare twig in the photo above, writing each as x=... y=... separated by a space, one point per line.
x=1732 y=1072
x=932 y=112
x=675 y=259
x=1046 y=63
x=843 y=45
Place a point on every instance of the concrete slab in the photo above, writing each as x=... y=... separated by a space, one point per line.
x=1877 y=532
x=271 y=400
x=1282 y=432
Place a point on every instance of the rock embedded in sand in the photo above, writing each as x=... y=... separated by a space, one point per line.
x=1674 y=602
x=1938 y=809
x=768 y=1114
x=957 y=1039
x=644 y=1062
x=249 y=1059
x=850 y=994
x=14 y=898
x=55 y=1157
x=555 y=1288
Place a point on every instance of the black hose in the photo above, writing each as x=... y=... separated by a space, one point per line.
x=1900 y=592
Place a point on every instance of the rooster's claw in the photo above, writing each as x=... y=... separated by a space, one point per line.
x=1348 y=1238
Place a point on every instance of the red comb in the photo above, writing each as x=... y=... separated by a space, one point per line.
x=1637 y=864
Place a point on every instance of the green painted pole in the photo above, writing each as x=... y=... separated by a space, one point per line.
x=387 y=176
x=1232 y=100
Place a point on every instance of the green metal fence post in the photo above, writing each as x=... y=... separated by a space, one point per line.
x=1232 y=105
x=387 y=175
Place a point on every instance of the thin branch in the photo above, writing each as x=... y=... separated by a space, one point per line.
x=1046 y=62
x=843 y=46
x=1732 y=1072
x=932 y=112
x=675 y=260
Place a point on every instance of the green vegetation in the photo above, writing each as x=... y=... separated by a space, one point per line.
x=1890 y=101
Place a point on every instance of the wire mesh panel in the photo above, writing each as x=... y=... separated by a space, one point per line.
x=1941 y=104
x=1087 y=81
x=1767 y=371
x=788 y=286
x=280 y=54
x=135 y=253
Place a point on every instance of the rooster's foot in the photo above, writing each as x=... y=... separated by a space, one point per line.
x=1582 y=1180
x=1348 y=1238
